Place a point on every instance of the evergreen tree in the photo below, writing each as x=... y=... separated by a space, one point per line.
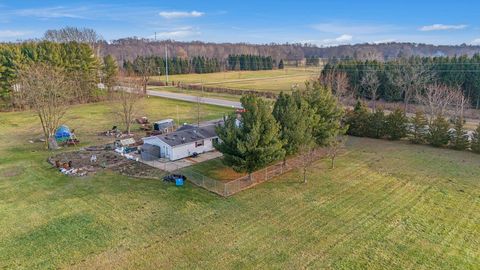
x=438 y=132
x=396 y=125
x=255 y=142
x=328 y=113
x=280 y=64
x=376 y=124
x=110 y=71
x=357 y=120
x=419 y=126
x=476 y=140
x=295 y=119
x=458 y=140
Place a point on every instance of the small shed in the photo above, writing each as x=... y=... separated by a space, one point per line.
x=165 y=126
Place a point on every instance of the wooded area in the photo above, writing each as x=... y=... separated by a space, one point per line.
x=402 y=79
x=77 y=60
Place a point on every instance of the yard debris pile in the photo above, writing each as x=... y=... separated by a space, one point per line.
x=144 y=123
x=114 y=132
x=83 y=162
x=96 y=158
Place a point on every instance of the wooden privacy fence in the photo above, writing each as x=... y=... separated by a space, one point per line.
x=229 y=188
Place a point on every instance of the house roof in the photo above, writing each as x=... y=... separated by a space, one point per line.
x=188 y=134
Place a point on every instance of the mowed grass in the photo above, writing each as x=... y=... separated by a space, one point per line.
x=263 y=80
x=386 y=205
x=216 y=170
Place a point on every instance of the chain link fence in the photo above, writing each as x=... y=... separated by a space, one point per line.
x=229 y=188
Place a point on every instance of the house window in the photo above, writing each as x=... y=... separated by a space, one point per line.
x=214 y=141
x=199 y=143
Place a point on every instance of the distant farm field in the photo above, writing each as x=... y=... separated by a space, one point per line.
x=387 y=205
x=263 y=80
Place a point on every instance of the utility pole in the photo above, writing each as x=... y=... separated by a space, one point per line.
x=166 y=62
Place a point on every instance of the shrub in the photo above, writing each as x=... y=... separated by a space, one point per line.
x=376 y=124
x=418 y=128
x=357 y=120
x=459 y=139
x=438 y=132
x=396 y=125
x=476 y=140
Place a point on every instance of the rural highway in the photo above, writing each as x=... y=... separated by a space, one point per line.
x=204 y=100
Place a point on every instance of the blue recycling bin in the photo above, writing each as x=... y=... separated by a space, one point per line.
x=179 y=182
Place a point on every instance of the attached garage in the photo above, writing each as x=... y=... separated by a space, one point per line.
x=186 y=141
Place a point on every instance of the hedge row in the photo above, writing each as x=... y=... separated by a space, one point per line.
x=395 y=126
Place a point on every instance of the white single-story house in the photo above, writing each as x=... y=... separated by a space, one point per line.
x=184 y=142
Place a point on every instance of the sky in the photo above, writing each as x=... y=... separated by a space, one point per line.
x=323 y=23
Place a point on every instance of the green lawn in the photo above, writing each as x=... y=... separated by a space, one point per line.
x=215 y=169
x=386 y=205
x=263 y=80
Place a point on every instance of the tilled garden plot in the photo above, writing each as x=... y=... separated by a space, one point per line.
x=79 y=163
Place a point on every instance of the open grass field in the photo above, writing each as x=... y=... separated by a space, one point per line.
x=263 y=80
x=387 y=205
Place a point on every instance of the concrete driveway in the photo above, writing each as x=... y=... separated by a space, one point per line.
x=171 y=166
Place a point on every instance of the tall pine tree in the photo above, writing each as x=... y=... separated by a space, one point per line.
x=255 y=142
x=296 y=120
x=328 y=113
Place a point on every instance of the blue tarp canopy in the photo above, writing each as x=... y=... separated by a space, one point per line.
x=62 y=134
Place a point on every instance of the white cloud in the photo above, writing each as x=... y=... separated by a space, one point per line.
x=475 y=41
x=442 y=27
x=180 y=14
x=353 y=28
x=52 y=12
x=343 y=38
x=340 y=40
x=12 y=33
x=178 y=33
x=388 y=40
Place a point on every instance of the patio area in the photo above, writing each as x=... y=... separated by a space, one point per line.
x=171 y=166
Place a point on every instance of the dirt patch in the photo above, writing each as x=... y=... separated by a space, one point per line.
x=139 y=170
x=88 y=162
x=11 y=172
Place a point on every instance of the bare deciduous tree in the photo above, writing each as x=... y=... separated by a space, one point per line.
x=459 y=102
x=436 y=97
x=371 y=83
x=74 y=34
x=126 y=98
x=47 y=90
x=307 y=157
x=335 y=147
x=411 y=78
x=337 y=81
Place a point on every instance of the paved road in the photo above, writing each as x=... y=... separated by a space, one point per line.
x=204 y=100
